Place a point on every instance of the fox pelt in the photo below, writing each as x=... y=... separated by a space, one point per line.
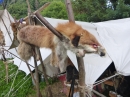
x=81 y=42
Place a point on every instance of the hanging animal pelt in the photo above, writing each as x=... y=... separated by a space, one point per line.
x=2 y=39
x=81 y=42
x=17 y=25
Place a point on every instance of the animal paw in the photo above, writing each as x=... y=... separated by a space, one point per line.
x=54 y=63
x=37 y=57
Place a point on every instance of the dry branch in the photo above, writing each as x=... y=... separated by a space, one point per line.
x=39 y=10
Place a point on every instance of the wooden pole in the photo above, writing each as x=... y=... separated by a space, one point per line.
x=6 y=66
x=34 y=55
x=69 y=11
x=44 y=71
x=31 y=73
x=81 y=74
x=79 y=59
x=37 y=75
x=45 y=75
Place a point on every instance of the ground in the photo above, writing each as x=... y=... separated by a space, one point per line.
x=57 y=90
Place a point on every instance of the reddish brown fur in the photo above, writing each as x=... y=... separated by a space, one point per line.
x=42 y=37
x=71 y=29
x=37 y=35
x=14 y=27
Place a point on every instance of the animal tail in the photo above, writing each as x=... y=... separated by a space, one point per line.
x=24 y=51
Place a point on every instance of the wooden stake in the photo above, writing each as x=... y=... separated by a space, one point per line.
x=45 y=75
x=79 y=59
x=81 y=74
x=33 y=79
x=69 y=11
x=31 y=73
x=34 y=55
x=6 y=67
x=37 y=75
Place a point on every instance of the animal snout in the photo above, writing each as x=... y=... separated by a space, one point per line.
x=101 y=51
x=102 y=54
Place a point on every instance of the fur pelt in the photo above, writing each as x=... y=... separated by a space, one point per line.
x=2 y=39
x=81 y=42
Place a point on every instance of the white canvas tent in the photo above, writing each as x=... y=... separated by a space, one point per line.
x=113 y=35
x=5 y=20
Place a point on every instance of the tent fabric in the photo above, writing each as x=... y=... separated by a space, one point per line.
x=115 y=36
x=45 y=53
x=5 y=23
x=5 y=20
x=50 y=70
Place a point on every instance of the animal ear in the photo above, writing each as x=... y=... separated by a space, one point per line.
x=75 y=40
x=13 y=24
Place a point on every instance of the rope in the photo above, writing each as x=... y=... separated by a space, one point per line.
x=88 y=88
x=105 y=79
x=21 y=85
x=13 y=82
x=20 y=81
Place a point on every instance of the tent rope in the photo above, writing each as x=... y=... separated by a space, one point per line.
x=13 y=81
x=105 y=79
x=20 y=82
x=21 y=85
x=88 y=88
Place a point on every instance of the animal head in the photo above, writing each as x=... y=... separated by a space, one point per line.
x=81 y=39
x=19 y=24
x=14 y=26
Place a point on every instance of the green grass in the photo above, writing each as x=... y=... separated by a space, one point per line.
x=18 y=90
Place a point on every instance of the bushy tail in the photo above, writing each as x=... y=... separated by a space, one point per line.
x=24 y=51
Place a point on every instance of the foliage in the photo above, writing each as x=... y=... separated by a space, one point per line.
x=100 y=10
x=55 y=10
x=84 y=10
